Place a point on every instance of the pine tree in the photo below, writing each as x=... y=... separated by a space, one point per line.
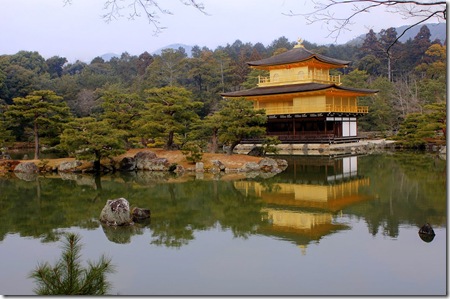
x=169 y=111
x=371 y=45
x=43 y=111
x=93 y=139
x=388 y=38
x=68 y=277
x=5 y=134
x=421 y=44
x=122 y=110
x=239 y=120
x=420 y=128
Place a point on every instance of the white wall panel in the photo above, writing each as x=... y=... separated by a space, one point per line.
x=345 y=128
x=353 y=128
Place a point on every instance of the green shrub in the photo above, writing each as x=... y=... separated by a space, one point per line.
x=192 y=151
x=269 y=145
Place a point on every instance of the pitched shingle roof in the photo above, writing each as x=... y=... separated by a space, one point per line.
x=296 y=55
x=293 y=88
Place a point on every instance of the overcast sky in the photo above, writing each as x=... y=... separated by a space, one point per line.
x=77 y=31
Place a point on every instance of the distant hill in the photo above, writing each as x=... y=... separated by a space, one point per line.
x=187 y=48
x=437 y=30
x=108 y=56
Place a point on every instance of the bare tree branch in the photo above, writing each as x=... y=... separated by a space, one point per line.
x=138 y=8
x=325 y=11
x=408 y=28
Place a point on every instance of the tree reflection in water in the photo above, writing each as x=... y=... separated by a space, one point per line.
x=301 y=205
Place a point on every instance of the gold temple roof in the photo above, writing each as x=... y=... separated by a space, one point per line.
x=296 y=88
x=295 y=55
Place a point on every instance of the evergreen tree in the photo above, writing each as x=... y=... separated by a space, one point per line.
x=279 y=43
x=203 y=78
x=381 y=116
x=125 y=67
x=371 y=64
x=239 y=120
x=420 y=128
x=68 y=277
x=433 y=75
x=371 y=53
x=144 y=60
x=253 y=78
x=356 y=78
x=29 y=60
x=92 y=139
x=169 y=111
x=74 y=68
x=55 y=66
x=209 y=129
x=166 y=69
x=43 y=111
x=388 y=38
x=6 y=136
x=421 y=44
x=122 y=111
x=223 y=66
x=371 y=45
x=18 y=82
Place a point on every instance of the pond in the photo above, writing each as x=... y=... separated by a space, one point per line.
x=325 y=226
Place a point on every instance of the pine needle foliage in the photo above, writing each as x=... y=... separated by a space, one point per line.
x=68 y=277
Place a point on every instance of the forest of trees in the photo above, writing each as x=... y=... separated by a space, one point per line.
x=172 y=98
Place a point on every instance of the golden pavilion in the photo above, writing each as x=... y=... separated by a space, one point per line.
x=303 y=102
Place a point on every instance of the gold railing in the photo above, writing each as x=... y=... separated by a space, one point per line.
x=317 y=109
x=267 y=81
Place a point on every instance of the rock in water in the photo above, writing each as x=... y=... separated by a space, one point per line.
x=139 y=214
x=426 y=233
x=427 y=229
x=116 y=212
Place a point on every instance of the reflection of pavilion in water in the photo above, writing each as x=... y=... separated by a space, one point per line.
x=301 y=207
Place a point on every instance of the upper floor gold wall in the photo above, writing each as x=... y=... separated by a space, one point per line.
x=304 y=73
x=312 y=103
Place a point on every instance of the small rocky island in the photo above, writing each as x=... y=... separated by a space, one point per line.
x=116 y=212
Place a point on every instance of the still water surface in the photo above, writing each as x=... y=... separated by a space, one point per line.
x=325 y=226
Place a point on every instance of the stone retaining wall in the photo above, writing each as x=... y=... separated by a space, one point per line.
x=362 y=147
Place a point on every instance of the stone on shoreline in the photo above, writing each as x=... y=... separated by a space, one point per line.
x=147 y=160
x=127 y=164
x=69 y=166
x=266 y=165
x=218 y=166
x=251 y=166
x=26 y=167
x=269 y=165
x=199 y=167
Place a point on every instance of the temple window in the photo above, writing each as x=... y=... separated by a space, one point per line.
x=276 y=78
